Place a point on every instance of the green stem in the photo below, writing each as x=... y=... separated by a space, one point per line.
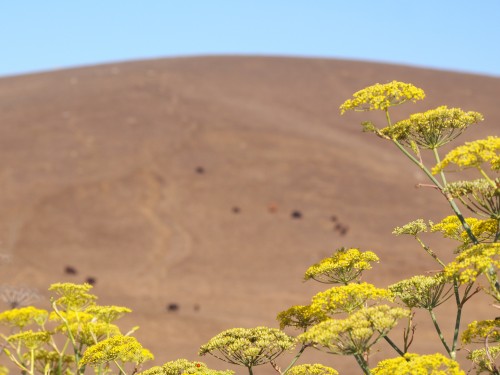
x=458 y=318
x=122 y=371
x=429 y=251
x=362 y=363
x=440 y=334
x=250 y=372
x=483 y=173
x=438 y=160
x=394 y=346
x=295 y=358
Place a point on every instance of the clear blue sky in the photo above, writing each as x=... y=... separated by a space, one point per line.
x=459 y=35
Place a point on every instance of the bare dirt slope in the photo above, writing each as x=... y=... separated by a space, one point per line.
x=174 y=182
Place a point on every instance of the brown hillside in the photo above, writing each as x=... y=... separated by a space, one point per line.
x=174 y=181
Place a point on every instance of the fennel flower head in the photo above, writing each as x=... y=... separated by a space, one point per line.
x=344 y=266
x=414 y=364
x=473 y=262
x=184 y=367
x=116 y=348
x=426 y=292
x=248 y=346
x=300 y=316
x=484 y=359
x=482 y=331
x=356 y=334
x=473 y=154
x=315 y=369
x=433 y=128
x=29 y=339
x=382 y=96
x=483 y=197
x=347 y=298
x=24 y=316
x=72 y=296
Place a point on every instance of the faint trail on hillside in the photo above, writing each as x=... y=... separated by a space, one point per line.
x=172 y=243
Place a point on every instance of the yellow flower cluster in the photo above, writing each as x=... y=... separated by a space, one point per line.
x=107 y=314
x=413 y=228
x=426 y=292
x=434 y=128
x=73 y=296
x=355 y=334
x=382 y=96
x=116 y=348
x=473 y=262
x=24 y=316
x=414 y=364
x=451 y=227
x=315 y=369
x=473 y=154
x=485 y=361
x=184 y=367
x=347 y=298
x=4 y=370
x=478 y=331
x=86 y=328
x=248 y=346
x=29 y=339
x=344 y=266
x=483 y=197
x=300 y=316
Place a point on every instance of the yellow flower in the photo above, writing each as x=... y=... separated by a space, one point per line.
x=451 y=227
x=116 y=348
x=482 y=196
x=344 y=266
x=485 y=361
x=315 y=369
x=300 y=317
x=4 y=370
x=473 y=154
x=355 y=334
x=31 y=340
x=413 y=228
x=471 y=263
x=183 y=366
x=382 y=96
x=432 y=129
x=73 y=296
x=248 y=346
x=479 y=331
x=24 y=316
x=107 y=314
x=347 y=298
x=426 y=292
x=414 y=364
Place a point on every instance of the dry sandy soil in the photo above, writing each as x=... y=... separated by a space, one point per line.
x=174 y=182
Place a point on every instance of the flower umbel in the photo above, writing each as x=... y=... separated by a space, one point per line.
x=480 y=331
x=347 y=298
x=355 y=334
x=183 y=366
x=426 y=292
x=73 y=296
x=116 y=348
x=473 y=154
x=413 y=364
x=344 y=266
x=248 y=346
x=382 y=96
x=432 y=129
x=315 y=369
